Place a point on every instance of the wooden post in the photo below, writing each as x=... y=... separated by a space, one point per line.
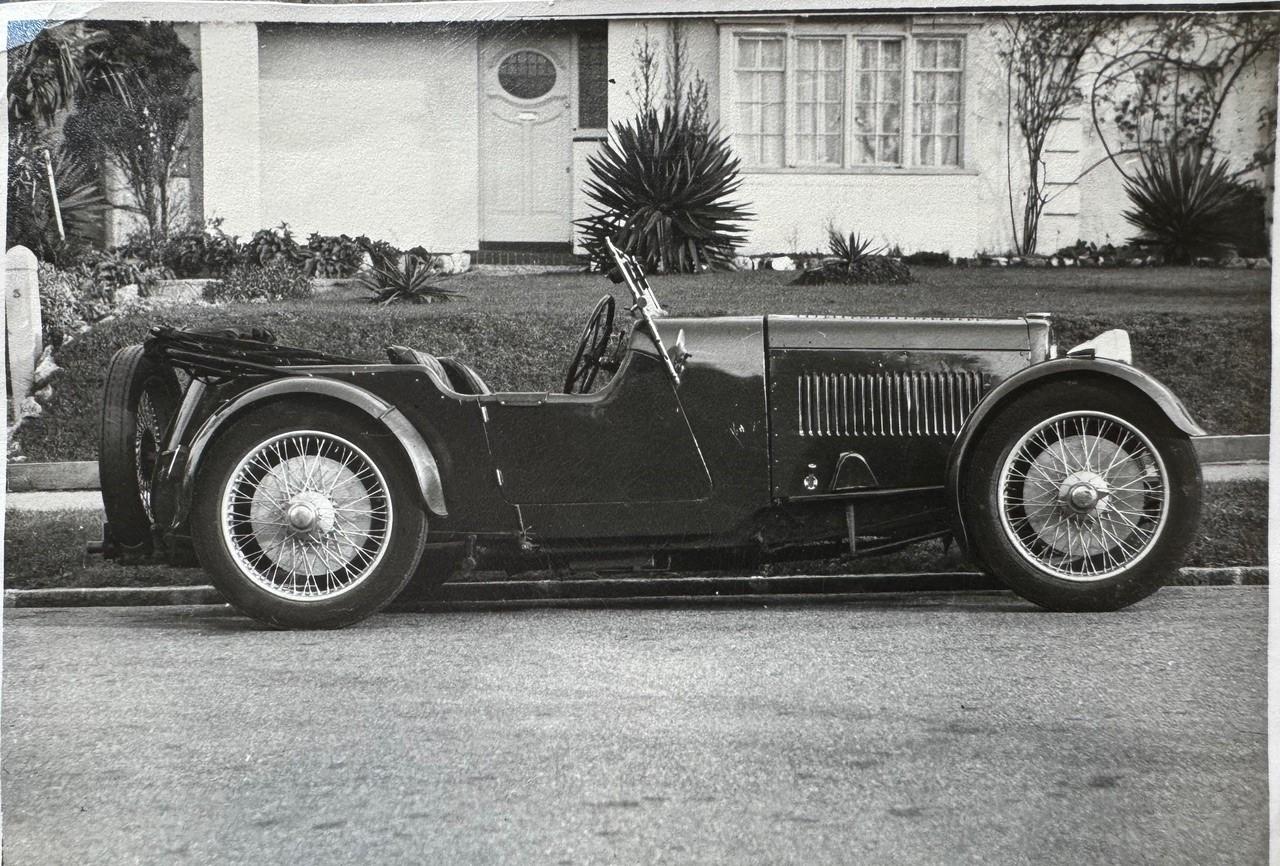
x=22 y=322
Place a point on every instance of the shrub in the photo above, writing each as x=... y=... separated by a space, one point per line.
x=199 y=250
x=661 y=186
x=924 y=257
x=60 y=312
x=269 y=245
x=1246 y=223
x=277 y=280
x=382 y=255
x=331 y=256
x=113 y=269
x=408 y=281
x=1182 y=201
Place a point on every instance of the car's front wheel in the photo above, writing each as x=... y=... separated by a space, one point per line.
x=1082 y=497
x=303 y=518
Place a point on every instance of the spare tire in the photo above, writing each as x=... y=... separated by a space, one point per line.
x=139 y=400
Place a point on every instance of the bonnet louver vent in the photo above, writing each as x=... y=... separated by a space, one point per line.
x=887 y=404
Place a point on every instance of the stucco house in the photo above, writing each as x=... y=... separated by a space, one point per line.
x=467 y=126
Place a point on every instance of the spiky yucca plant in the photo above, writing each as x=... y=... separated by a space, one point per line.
x=662 y=186
x=410 y=280
x=853 y=250
x=1182 y=198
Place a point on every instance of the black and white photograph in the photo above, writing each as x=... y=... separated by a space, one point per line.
x=576 y=431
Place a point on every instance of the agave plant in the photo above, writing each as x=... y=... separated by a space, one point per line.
x=853 y=250
x=411 y=280
x=1182 y=198
x=661 y=187
x=31 y=217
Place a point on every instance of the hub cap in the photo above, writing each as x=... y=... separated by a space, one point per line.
x=1083 y=496
x=306 y=515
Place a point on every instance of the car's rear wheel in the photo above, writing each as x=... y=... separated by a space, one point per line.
x=1082 y=497
x=139 y=400
x=303 y=517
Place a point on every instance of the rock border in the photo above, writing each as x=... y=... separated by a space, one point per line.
x=1119 y=259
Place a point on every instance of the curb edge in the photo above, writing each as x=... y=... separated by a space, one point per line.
x=596 y=589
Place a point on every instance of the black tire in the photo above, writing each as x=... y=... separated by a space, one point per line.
x=140 y=398
x=257 y=564
x=1059 y=529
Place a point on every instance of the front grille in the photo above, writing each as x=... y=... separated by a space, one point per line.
x=887 y=404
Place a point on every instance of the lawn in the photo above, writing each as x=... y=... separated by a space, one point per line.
x=46 y=549
x=1203 y=332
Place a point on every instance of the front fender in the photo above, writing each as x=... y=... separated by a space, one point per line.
x=415 y=447
x=1121 y=374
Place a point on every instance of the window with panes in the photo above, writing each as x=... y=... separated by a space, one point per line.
x=850 y=100
x=761 y=103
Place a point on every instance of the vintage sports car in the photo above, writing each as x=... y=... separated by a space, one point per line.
x=311 y=488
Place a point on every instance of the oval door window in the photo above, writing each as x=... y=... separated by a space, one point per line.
x=527 y=74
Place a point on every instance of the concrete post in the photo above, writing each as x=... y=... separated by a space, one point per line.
x=230 y=125
x=22 y=322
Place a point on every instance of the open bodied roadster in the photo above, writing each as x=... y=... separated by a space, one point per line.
x=312 y=488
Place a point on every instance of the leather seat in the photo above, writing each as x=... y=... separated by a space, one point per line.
x=449 y=372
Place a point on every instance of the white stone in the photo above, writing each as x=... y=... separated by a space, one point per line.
x=30 y=408
x=45 y=371
x=453 y=263
x=782 y=263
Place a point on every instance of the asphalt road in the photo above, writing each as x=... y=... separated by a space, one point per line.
x=925 y=729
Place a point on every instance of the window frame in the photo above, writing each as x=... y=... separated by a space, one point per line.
x=788 y=105
x=849 y=33
x=791 y=79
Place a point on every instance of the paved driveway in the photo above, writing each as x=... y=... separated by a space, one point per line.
x=921 y=729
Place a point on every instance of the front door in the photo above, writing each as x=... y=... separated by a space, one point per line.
x=525 y=137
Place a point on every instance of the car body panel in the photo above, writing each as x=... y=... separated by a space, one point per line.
x=593 y=448
x=884 y=394
x=752 y=432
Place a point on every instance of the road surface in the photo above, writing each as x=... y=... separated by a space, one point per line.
x=905 y=729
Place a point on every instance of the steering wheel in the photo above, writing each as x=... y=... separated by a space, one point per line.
x=588 y=360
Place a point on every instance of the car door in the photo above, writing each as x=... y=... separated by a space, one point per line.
x=629 y=443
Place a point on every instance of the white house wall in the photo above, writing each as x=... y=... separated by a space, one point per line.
x=963 y=212
x=371 y=129
x=228 y=61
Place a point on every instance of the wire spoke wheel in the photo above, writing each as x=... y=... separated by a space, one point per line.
x=306 y=515
x=148 y=435
x=1083 y=496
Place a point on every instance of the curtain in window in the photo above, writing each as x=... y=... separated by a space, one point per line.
x=877 y=106
x=819 y=101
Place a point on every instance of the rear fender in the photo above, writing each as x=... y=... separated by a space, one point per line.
x=1119 y=374
x=415 y=447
